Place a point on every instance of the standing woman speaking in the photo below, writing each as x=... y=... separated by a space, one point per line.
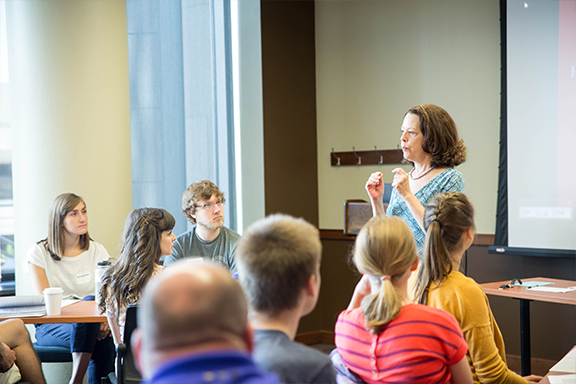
x=68 y=258
x=430 y=142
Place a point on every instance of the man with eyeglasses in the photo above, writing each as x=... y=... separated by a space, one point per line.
x=203 y=205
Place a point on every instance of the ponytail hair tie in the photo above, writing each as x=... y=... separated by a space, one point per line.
x=386 y=277
x=438 y=221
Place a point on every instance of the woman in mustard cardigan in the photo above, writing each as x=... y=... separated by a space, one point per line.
x=449 y=224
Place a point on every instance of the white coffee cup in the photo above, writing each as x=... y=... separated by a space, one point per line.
x=53 y=300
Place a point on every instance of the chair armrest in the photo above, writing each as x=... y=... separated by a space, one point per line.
x=121 y=349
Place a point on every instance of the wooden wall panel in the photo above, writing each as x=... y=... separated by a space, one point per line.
x=289 y=101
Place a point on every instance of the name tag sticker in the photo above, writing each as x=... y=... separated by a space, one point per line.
x=83 y=277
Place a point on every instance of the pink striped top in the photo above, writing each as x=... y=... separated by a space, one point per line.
x=418 y=346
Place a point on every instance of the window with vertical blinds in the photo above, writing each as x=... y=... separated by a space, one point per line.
x=181 y=101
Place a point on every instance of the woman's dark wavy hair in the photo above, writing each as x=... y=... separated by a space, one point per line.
x=124 y=281
x=441 y=138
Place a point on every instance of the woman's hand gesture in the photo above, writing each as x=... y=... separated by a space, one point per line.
x=401 y=182
x=375 y=189
x=402 y=186
x=375 y=186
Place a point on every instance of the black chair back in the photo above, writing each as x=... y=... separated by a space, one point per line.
x=126 y=372
x=131 y=374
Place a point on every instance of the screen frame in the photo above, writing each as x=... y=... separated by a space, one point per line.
x=501 y=236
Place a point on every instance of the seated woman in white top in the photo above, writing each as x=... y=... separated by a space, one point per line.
x=147 y=237
x=67 y=258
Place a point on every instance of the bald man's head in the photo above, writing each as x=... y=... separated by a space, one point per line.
x=189 y=305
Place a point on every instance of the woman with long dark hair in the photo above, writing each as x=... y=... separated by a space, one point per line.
x=147 y=237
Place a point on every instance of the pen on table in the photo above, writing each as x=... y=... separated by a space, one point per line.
x=510 y=284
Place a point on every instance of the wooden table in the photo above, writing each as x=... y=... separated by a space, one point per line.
x=525 y=296
x=80 y=312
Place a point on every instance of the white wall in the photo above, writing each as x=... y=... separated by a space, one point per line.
x=375 y=59
x=70 y=111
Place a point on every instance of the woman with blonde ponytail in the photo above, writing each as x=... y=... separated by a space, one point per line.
x=449 y=222
x=382 y=337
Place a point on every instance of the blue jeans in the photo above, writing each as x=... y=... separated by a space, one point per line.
x=81 y=338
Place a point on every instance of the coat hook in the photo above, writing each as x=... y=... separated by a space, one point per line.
x=359 y=162
x=381 y=161
x=336 y=157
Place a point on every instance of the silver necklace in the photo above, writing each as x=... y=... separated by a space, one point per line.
x=422 y=175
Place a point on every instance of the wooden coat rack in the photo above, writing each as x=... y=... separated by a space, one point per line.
x=373 y=157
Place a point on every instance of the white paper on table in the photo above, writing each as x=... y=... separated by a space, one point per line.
x=567 y=364
x=552 y=289
x=67 y=302
x=562 y=379
x=530 y=284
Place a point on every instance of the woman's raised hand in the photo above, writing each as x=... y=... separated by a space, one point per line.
x=363 y=289
x=401 y=182
x=375 y=186
x=364 y=286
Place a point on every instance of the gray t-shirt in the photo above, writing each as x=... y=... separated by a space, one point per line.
x=291 y=361
x=221 y=250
